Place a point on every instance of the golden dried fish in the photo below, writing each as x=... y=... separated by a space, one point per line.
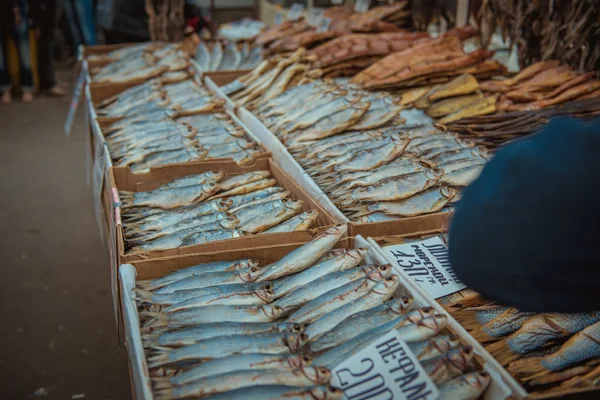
x=476 y=108
x=459 y=86
x=448 y=106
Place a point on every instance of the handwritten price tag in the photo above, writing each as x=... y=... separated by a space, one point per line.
x=324 y=25
x=295 y=11
x=362 y=6
x=315 y=15
x=386 y=369
x=427 y=263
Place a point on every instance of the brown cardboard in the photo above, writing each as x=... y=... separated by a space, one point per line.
x=224 y=77
x=124 y=179
x=404 y=226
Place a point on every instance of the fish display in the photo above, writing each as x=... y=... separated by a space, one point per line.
x=366 y=153
x=278 y=328
x=210 y=206
x=227 y=57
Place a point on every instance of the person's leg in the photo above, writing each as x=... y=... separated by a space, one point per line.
x=67 y=6
x=4 y=74
x=22 y=41
x=84 y=13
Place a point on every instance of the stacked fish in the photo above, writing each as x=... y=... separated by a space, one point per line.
x=232 y=56
x=130 y=51
x=428 y=62
x=142 y=65
x=547 y=352
x=496 y=130
x=241 y=30
x=168 y=123
x=217 y=328
x=541 y=85
x=203 y=208
x=375 y=161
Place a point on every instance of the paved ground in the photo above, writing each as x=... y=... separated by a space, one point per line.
x=57 y=328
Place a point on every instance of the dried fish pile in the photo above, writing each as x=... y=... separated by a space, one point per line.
x=541 y=85
x=231 y=328
x=545 y=352
x=562 y=30
x=142 y=65
x=132 y=51
x=228 y=57
x=496 y=130
x=375 y=161
x=168 y=123
x=241 y=30
x=451 y=101
x=428 y=62
x=203 y=208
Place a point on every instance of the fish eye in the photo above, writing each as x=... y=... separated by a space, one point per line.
x=306 y=358
x=253 y=269
x=268 y=285
x=303 y=336
x=323 y=370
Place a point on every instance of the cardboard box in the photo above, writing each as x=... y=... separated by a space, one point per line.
x=285 y=160
x=142 y=270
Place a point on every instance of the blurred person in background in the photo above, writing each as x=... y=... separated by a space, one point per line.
x=44 y=17
x=80 y=16
x=14 y=24
x=123 y=21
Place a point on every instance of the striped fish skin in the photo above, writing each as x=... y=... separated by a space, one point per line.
x=281 y=392
x=200 y=332
x=301 y=377
x=219 y=313
x=435 y=347
x=450 y=365
x=239 y=363
x=241 y=275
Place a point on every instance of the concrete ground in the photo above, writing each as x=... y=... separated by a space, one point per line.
x=57 y=328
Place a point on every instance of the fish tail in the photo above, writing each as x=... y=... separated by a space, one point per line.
x=164 y=394
x=467 y=318
x=528 y=368
x=501 y=352
x=137 y=242
x=481 y=336
x=158 y=360
x=161 y=383
x=359 y=211
x=143 y=295
x=148 y=339
x=561 y=376
x=154 y=319
x=126 y=196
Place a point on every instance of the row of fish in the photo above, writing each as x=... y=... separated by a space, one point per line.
x=279 y=329
x=143 y=62
x=158 y=123
x=211 y=206
x=229 y=57
x=374 y=160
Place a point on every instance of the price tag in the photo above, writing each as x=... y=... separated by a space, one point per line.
x=362 y=6
x=428 y=264
x=75 y=102
x=324 y=25
x=315 y=15
x=232 y=87
x=386 y=369
x=295 y=11
x=279 y=18
x=337 y=2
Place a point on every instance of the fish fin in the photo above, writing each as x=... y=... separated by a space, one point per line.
x=528 y=368
x=126 y=196
x=142 y=295
x=360 y=211
x=161 y=383
x=501 y=352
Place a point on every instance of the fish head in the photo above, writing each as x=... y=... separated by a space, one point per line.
x=387 y=286
x=444 y=343
x=477 y=380
x=295 y=341
x=400 y=305
x=448 y=192
x=338 y=230
x=311 y=215
x=263 y=174
x=264 y=291
x=237 y=234
x=298 y=361
x=325 y=393
x=318 y=375
x=211 y=187
x=380 y=272
x=460 y=357
x=249 y=263
x=420 y=314
x=434 y=174
x=293 y=204
x=249 y=274
x=358 y=254
x=290 y=327
x=230 y=222
x=435 y=323
x=215 y=175
x=222 y=204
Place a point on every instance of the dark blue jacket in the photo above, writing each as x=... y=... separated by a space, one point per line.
x=526 y=233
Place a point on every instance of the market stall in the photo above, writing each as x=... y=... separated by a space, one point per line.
x=264 y=199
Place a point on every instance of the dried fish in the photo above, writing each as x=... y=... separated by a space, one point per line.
x=300 y=222
x=466 y=387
